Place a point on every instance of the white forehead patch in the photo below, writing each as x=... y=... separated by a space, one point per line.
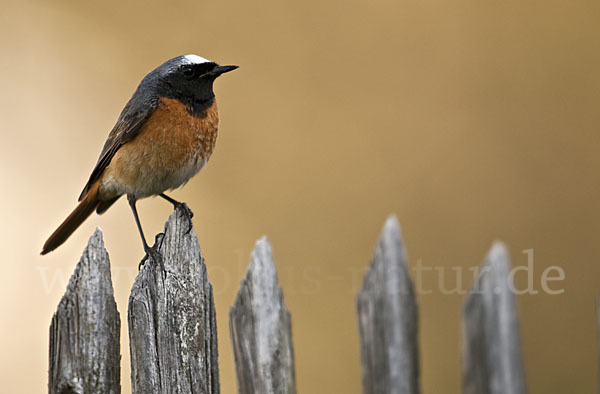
x=195 y=59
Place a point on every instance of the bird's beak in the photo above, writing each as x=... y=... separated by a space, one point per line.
x=222 y=70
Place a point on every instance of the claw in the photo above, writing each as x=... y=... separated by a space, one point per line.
x=187 y=212
x=158 y=240
x=153 y=253
x=142 y=262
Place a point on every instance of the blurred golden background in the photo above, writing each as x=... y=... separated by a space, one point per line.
x=471 y=120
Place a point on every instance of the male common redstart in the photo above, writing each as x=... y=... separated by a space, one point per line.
x=163 y=137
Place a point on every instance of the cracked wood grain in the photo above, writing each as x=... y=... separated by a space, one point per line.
x=261 y=329
x=172 y=323
x=84 y=332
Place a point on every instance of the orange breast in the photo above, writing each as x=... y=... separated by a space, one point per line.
x=171 y=147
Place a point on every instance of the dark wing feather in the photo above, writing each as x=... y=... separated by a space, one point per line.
x=132 y=118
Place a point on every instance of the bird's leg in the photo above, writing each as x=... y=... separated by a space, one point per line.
x=183 y=206
x=151 y=252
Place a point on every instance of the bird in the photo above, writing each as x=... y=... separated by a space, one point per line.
x=163 y=137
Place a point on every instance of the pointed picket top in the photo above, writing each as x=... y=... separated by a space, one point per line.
x=85 y=330
x=260 y=326
x=388 y=319
x=492 y=362
x=172 y=322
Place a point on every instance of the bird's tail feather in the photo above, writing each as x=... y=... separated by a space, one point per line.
x=86 y=206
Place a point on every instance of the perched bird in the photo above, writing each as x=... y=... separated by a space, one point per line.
x=163 y=137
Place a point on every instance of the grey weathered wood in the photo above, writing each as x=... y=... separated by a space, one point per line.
x=84 y=333
x=388 y=319
x=261 y=329
x=492 y=362
x=172 y=324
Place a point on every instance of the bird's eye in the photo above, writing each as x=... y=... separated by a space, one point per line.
x=188 y=71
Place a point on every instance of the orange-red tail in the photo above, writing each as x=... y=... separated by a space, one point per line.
x=87 y=205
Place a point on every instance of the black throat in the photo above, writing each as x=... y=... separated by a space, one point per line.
x=197 y=98
x=198 y=105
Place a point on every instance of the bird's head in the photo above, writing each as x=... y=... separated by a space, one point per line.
x=188 y=78
x=191 y=71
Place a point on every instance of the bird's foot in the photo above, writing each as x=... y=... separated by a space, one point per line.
x=187 y=212
x=152 y=253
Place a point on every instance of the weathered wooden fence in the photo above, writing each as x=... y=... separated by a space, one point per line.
x=173 y=329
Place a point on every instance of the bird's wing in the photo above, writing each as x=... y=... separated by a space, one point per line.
x=131 y=120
